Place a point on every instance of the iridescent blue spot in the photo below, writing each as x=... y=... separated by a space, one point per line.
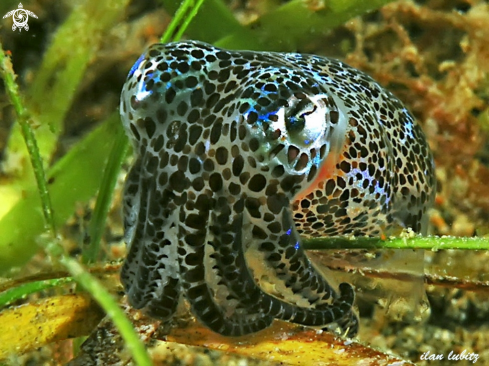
x=289 y=231
x=408 y=124
x=297 y=246
x=135 y=66
x=143 y=91
x=266 y=117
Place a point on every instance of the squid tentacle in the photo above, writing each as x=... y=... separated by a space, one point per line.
x=192 y=244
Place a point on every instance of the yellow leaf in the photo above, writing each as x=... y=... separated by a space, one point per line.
x=34 y=325
x=288 y=344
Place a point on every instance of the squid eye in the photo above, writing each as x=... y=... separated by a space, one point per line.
x=295 y=117
x=295 y=124
x=301 y=122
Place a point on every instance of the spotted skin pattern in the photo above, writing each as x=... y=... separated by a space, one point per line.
x=240 y=153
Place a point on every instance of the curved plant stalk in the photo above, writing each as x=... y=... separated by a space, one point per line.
x=111 y=308
x=24 y=121
x=415 y=242
x=61 y=72
x=20 y=292
x=210 y=11
x=179 y=17
x=182 y=19
x=52 y=245
x=188 y=20
x=84 y=163
x=104 y=198
x=286 y=28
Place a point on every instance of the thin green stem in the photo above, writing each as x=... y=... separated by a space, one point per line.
x=211 y=12
x=119 y=149
x=21 y=291
x=417 y=242
x=175 y=22
x=8 y=75
x=188 y=19
x=73 y=179
x=52 y=245
x=111 y=307
x=104 y=198
x=285 y=28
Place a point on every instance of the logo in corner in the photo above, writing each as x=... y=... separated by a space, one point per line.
x=20 y=17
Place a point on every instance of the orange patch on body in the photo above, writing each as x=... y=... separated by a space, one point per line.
x=325 y=172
